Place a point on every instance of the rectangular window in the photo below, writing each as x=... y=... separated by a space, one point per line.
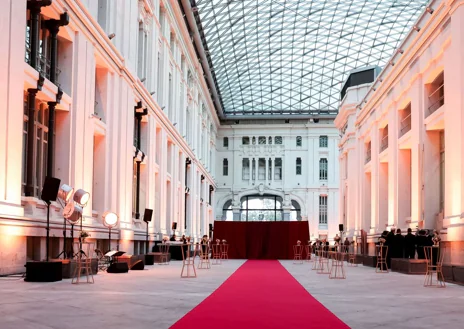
x=141 y=53
x=323 y=168
x=278 y=140
x=299 y=141
x=323 y=141
x=245 y=140
x=245 y=169
x=442 y=170
x=225 y=167
x=134 y=187
x=278 y=169
x=322 y=209
x=262 y=169
x=226 y=142
x=298 y=166
x=253 y=169
x=262 y=140
x=270 y=169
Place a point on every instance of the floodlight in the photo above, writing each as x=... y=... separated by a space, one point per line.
x=110 y=219
x=65 y=192
x=81 y=197
x=75 y=216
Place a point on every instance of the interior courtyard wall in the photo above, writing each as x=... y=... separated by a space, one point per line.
x=88 y=56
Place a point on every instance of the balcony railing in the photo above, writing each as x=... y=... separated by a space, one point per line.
x=368 y=155
x=384 y=143
x=405 y=125
x=436 y=99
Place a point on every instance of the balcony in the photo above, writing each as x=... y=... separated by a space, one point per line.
x=436 y=98
x=405 y=124
x=384 y=143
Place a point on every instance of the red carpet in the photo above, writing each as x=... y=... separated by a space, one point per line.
x=260 y=294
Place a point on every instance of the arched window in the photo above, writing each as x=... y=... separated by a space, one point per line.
x=323 y=169
x=295 y=212
x=225 y=167
x=261 y=208
x=227 y=213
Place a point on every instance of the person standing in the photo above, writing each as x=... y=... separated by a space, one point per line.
x=410 y=245
x=398 y=245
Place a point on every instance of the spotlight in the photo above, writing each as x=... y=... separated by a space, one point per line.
x=111 y=36
x=74 y=216
x=174 y=124
x=143 y=80
x=81 y=197
x=416 y=28
x=152 y=93
x=429 y=10
x=65 y=192
x=110 y=219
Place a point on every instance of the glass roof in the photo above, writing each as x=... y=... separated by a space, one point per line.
x=292 y=56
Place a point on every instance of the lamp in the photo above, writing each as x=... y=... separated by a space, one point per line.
x=81 y=197
x=65 y=193
x=110 y=220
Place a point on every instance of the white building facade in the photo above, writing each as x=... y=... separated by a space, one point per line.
x=134 y=123
x=401 y=151
x=279 y=171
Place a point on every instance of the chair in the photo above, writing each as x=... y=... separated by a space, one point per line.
x=381 y=253
x=297 y=254
x=204 y=256
x=103 y=261
x=164 y=254
x=216 y=254
x=188 y=261
x=83 y=262
x=224 y=251
x=434 y=256
x=351 y=257
x=308 y=252
x=317 y=256
x=337 y=269
x=323 y=267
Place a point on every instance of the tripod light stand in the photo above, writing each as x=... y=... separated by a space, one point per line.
x=64 y=195
x=81 y=197
x=110 y=220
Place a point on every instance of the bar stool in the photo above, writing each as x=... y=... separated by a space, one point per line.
x=324 y=262
x=434 y=256
x=83 y=262
x=216 y=254
x=188 y=260
x=308 y=252
x=164 y=254
x=351 y=257
x=224 y=251
x=317 y=256
x=381 y=252
x=297 y=254
x=337 y=269
x=204 y=257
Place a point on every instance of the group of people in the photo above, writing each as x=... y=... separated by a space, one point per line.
x=405 y=246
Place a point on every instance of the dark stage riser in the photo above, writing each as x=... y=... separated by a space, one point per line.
x=261 y=240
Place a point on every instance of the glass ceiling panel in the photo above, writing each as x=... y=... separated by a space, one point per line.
x=292 y=56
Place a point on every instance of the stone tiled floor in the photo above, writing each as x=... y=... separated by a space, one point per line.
x=157 y=297
x=153 y=298
x=370 y=300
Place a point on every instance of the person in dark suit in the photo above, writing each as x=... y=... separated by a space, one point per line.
x=398 y=245
x=410 y=245
x=184 y=240
x=389 y=242
x=173 y=238
x=422 y=240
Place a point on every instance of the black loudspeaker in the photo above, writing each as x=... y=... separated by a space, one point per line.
x=174 y=225
x=50 y=189
x=43 y=272
x=147 y=215
x=210 y=227
x=340 y=227
x=118 y=268
x=138 y=266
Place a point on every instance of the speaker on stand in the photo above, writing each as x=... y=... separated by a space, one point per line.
x=46 y=271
